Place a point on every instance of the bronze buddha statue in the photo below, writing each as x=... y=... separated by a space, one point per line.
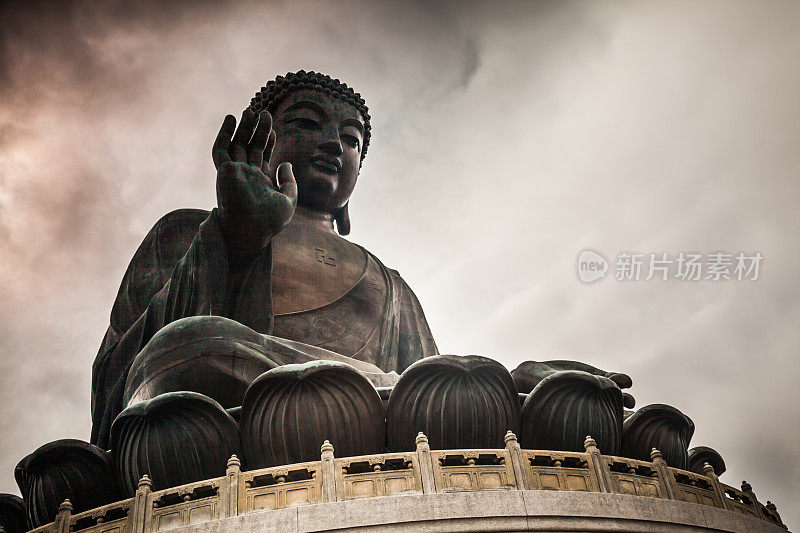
x=256 y=329
x=268 y=258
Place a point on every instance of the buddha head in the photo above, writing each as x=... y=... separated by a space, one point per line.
x=322 y=128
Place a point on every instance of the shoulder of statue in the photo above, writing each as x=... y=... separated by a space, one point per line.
x=179 y=219
x=173 y=233
x=374 y=257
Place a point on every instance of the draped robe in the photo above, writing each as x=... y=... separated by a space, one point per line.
x=181 y=270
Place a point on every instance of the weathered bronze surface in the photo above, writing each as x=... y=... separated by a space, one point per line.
x=700 y=455
x=528 y=375
x=658 y=426
x=568 y=405
x=63 y=469
x=459 y=402
x=175 y=438
x=290 y=411
x=12 y=513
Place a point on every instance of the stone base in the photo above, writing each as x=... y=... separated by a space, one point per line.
x=501 y=510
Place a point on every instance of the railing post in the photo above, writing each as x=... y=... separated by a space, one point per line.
x=328 y=473
x=708 y=470
x=664 y=474
x=516 y=459
x=425 y=464
x=774 y=510
x=61 y=524
x=141 y=505
x=230 y=496
x=598 y=466
x=748 y=489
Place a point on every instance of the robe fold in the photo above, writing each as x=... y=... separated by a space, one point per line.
x=181 y=270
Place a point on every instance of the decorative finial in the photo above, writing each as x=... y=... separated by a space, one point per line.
x=145 y=482
x=771 y=506
x=66 y=505
x=707 y=468
x=589 y=442
x=421 y=438
x=655 y=454
x=234 y=462
x=327 y=446
x=510 y=437
x=746 y=487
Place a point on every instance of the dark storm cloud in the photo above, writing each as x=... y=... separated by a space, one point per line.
x=60 y=73
x=62 y=38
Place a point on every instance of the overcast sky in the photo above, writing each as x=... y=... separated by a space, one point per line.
x=507 y=137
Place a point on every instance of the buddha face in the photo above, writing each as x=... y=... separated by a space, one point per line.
x=322 y=137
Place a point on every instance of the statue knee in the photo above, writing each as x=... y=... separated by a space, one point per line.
x=194 y=329
x=210 y=355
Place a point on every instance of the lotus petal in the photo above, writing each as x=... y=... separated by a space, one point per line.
x=567 y=406
x=458 y=402
x=175 y=438
x=12 y=514
x=62 y=469
x=289 y=411
x=658 y=426
x=700 y=455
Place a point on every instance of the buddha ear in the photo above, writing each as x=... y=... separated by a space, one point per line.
x=342 y=218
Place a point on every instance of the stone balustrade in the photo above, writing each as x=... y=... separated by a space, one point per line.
x=423 y=471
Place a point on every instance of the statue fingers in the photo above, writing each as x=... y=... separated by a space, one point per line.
x=256 y=146
x=628 y=401
x=241 y=138
x=219 y=152
x=268 y=153
x=623 y=381
x=286 y=183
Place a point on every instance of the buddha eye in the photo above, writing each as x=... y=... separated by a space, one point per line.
x=351 y=140
x=306 y=123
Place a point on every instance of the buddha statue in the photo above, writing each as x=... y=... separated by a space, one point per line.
x=257 y=329
x=212 y=300
x=268 y=259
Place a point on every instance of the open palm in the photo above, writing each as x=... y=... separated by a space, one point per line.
x=253 y=205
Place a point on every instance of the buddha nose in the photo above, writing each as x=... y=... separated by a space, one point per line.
x=332 y=144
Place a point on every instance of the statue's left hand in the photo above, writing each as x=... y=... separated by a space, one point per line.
x=528 y=374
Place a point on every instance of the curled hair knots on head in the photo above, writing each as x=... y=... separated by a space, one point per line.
x=275 y=91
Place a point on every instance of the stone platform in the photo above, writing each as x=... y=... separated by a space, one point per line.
x=526 y=510
x=509 y=489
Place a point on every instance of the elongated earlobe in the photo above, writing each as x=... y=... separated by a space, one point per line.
x=342 y=218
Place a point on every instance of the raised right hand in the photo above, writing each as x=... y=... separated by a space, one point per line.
x=252 y=206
